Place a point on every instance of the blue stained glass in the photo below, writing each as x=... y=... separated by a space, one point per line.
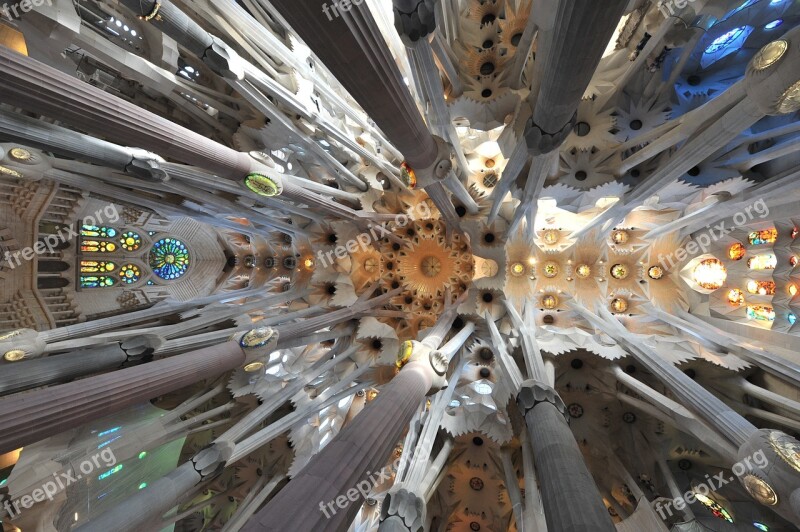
x=774 y=24
x=724 y=45
x=792 y=319
x=169 y=258
x=97 y=281
x=761 y=526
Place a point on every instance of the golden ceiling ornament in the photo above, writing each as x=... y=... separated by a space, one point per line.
x=517 y=269
x=655 y=272
x=786 y=447
x=619 y=305
x=760 y=490
x=620 y=237
x=550 y=269
x=551 y=237
x=404 y=353
x=254 y=366
x=262 y=184
x=789 y=102
x=257 y=338
x=9 y=335
x=619 y=271
x=583 y=271
x=15 y=355
x=10 y=172
x=20 y=154
x=770 y=54
x=407 y=175
x=549 y=302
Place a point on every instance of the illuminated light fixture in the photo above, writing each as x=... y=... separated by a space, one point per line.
x=262 y=185
x=619 y=305
x=790 y=101
x=710 y=274
x=656 y=272
x=736 y=297
x=517 y=269
x=551 y=237
x=619 y=271
x=308 y=263
x=253 y=367
x=408 y=176
x=620 y=237
x=770 y=54
x=15 y=355
x=549 y=302
x=774 y=24
x=583 y=271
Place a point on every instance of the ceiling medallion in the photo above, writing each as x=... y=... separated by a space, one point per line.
x=254 y=366
x=620 y=237
x=786 y=447
x=790 y=101
x=262 y=185
x=404 y=353
x=550 y=269
x=517 y=269
x=15 y=355
x=476 y=483
x=551 y=237
x=20 y=154
x=770 y=54
x=619 y=305
x=257 y=338
x=549 y=302
x=619 y=271
x=583 y=271
x=760 y=490
x=575 y=410
x=656 y=272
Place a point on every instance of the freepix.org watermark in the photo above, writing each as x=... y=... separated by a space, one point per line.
x=60 y=482
x=420 y=212
x=361 y=490
x=49 y=243
x=337 y=6
x=701 y=491
x=702 y=242
x=15 y=10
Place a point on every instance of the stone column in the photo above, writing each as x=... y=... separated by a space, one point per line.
x=571 y=500
x=325 y=494
x=350 y=44
x=30 y=417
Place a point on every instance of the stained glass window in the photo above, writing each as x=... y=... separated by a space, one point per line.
x=793 y=260
x=760 y=313
x=94 y=231
x=97 y=281
x=130 y=241
x=715 y=507
x=724 y=45
x=169 y=258
x=736 y=251
x=792 y=319
x=95 y=246
x=736 y=297
x=710 y=274
x=765 y=261
x=792 y=289
x=795 y=231
x=744 y=5
x=763 y=288
x=93 y=266
x=767 y=236
x=130 y=273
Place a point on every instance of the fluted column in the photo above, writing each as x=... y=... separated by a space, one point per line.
x=309 y=501
x=571 y=500
x=351 y=46
x=29 y=417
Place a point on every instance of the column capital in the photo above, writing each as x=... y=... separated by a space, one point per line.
x=540 y=141
x=403 y=506
x=532 y=393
